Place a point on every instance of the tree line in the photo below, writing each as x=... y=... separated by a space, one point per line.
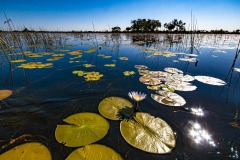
x=151 y=25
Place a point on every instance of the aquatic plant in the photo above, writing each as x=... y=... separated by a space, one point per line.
x=137 y=97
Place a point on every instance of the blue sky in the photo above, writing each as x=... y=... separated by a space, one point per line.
x=80 y=14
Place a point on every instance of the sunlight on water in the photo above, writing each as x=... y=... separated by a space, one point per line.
x=200 y=135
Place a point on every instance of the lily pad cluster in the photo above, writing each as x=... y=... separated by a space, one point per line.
x=89 y=76
x=140 y=130
x=32 y=65
x=171 y=79
x=81 y=130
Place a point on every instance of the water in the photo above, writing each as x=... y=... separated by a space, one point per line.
x=42 y=98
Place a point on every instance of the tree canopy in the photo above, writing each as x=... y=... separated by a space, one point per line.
x=145 y=25
x=175 y=24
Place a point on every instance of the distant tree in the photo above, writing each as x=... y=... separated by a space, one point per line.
x=116 y=29
x=175 y=24
x=128 y=29
x=25 y=30
x=238 y=31
x=145 y=25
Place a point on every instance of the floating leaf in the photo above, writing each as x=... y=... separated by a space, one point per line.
x=4 y=94
x=82 y=129
x=148 y=133
x=187 y=59
x=77 y=52
x=92 y=76
x=172 y=70
x=157 y=87
x=32 y=65
x=168 y=98
x=90 y=50
x=210 y=80
x=237 y=69
x=181 y=86
x=94 y=152
x=110 y=65
x=128 y=73
x=88 y=65
x=141 y=67
x=106 y=56
x=58 y=55
x=18 y=60
x=27 y=151
x=123 y=58
x=110 y=106
x=54 y=58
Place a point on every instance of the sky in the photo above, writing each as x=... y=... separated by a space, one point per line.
x=101 y=15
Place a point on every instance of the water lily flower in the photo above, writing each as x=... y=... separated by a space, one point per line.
x=137 y=96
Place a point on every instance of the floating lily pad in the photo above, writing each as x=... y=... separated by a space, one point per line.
x=128 y=73
x=110 y=65
x=82 y=129
x=27 y=151
x=90 y=50
x=94 y=152
x=110 y=106
x=77 y=52
x=18 y=60
x=4 y=94
x=181 y=86
x=148 y=133
x=173 y=70
x=157 y=87
x=187 y=59
x=168 y=98
x=141 y=67
x=88 y=65
x=123 y=58
x=237 y=69
x=32 y=65
x=210 y=80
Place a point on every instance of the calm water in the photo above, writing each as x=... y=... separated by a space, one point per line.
x=43 y=97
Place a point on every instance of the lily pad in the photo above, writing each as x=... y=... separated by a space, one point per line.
x=110 y=106
x=27 y=151
x=123 y=58
x=168 y=98
x=4 y=94
x=94 y=152
x=148 y=133
x=18 y=60
x=173 y=70
x=82 y=129
x=210 y=80
x=128 y=73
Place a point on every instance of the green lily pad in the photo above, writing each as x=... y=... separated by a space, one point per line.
x=148 y=133
x=27 y=151
x=82 y=129
x=94 y=152
x=109 y=107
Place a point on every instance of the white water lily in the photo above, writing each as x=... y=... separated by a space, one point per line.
x=137 y=96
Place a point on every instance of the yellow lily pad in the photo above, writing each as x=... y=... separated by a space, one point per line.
x=109 y=107
x=128 y=73
x=94 y=152
x=77 y=52
x=90 y=50
x=32 y=65
x=123 y=58
x=110 y=65
x=82 y=129
x=4 y=94
x=88 y=65
x=148 y=133
x=18 y=60
x=27 y=151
